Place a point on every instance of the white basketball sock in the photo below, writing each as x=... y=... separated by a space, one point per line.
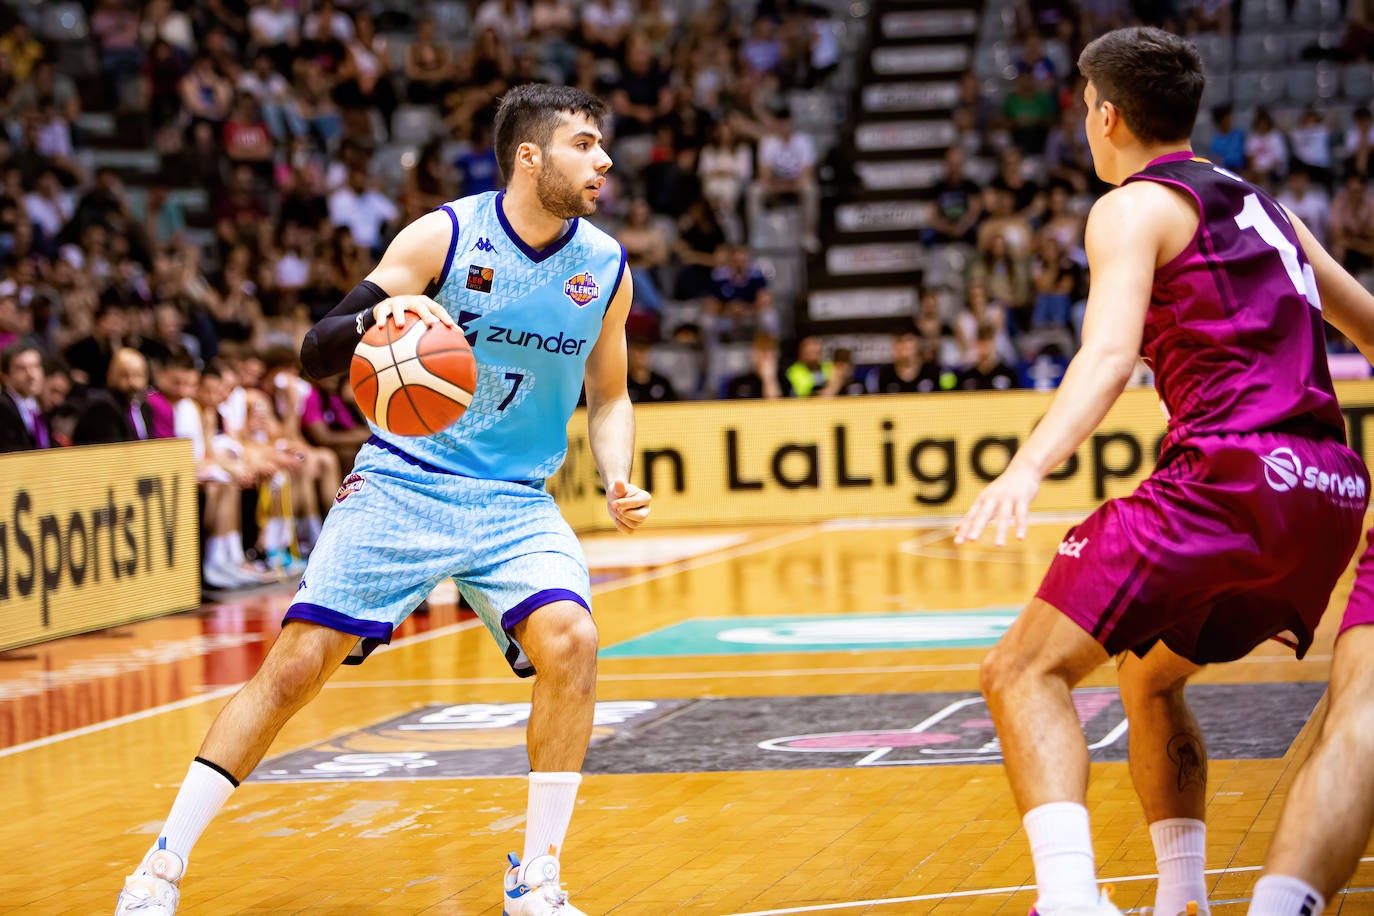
x=1280 y=895
x=1181 y=854
x=202 y=794
x=1062 y=848
x=552 y=797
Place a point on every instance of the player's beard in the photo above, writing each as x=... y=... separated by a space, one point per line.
x=559 y=196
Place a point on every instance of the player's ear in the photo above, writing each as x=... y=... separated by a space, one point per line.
x=528 y=156
x=1111 y=117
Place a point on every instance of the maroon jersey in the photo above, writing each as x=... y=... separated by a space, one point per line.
x=1234 y=331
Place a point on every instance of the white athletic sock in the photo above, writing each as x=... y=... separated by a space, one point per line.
x=216 y=551
x=204 y=792
x=275 y=534
x=1181 y=854
x=1279 y=895
x=552 y=797
x=1062 y=848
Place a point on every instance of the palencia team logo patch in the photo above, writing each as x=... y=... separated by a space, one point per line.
x=352 y=484
x=479 y=278
x=581 y=289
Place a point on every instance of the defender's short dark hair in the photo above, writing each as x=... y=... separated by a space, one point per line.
x=1155 y=78
x=531 y=113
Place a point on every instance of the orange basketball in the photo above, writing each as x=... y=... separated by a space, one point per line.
x=414 y=382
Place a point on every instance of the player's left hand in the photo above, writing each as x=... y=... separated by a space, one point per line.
x=1005 y=501
x=628 y=505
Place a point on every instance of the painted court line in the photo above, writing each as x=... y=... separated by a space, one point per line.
x=986 y=892
x=694 y=563
x=215 y=694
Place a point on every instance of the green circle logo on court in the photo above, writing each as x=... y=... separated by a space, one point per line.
x=832 y=633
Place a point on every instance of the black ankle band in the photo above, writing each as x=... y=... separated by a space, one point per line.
x=220 y=770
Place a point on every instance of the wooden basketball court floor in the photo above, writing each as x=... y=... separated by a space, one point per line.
x=841 y=811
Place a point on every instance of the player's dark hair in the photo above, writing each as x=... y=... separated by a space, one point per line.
x=532 y=112
x=1153 y=77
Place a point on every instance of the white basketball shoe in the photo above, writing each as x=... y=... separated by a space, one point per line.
x=152 y=890
x=532 y=889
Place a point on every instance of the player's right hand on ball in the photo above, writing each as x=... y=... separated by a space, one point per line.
x=425 y=308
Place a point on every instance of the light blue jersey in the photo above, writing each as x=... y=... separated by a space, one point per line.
x=532 y=318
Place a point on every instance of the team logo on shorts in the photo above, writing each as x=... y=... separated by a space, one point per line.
x=1282 y=469
x=581 y=289
x=479 y=278
x=352 y=484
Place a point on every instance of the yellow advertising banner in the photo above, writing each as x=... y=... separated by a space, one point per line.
x=724 y=462
x=94 y=537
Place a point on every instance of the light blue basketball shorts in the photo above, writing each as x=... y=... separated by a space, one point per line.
x=399 y=526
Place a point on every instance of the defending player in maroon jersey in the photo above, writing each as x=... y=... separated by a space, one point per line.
x=1250 y=516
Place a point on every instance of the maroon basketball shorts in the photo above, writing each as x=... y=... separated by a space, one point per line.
x=1234 y=539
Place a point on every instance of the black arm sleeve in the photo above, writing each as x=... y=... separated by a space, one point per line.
x=329 y=345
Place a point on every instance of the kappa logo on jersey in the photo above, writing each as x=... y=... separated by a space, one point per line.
x=483 y=244
x=581 y=289
x=1283 y=471
x=479 y=278
x=1069 y=547
x=352 y=484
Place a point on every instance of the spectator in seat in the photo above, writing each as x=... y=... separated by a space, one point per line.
x=364 y=210
x=364 y=75
x=1352 y=225
x=1056 y=277
x=644 y=384
x=115 y=26
x=741 y=303
x=763 y=381
x=726 y=165
x=1311 y=143
x=207 y=96
x=331 y=419
x=1359 y=142
x=1029 y=111
x=910 y=371
x=478 y=171
x=247 y=140
x=1227 y=148
x=428 y=66
x=1266 y=150
x=605 y=26
x=91 y=356
x=121 y=414
x=957 y=205
x=989 y=372
x=844 y=379
x=646 y=248
x=1309 y=203
x=787 y=171
x=810 y=373
x=276 y=31
x=23 y=426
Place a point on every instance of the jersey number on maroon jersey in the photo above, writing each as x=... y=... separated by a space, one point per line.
x=1254 y=216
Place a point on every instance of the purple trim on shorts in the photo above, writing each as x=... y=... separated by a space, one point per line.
x=536 y=601
x=325 y=617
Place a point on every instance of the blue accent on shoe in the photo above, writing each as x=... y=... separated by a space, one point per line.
x=162 y=842
x=513 y=860
x=518 y=891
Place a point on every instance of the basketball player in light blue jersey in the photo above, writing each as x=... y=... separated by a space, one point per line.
x=543 y=297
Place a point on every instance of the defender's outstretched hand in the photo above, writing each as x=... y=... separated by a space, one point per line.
x=1006 y=500
x=628 y=505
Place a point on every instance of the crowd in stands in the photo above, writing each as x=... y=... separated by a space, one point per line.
x=121 y=319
